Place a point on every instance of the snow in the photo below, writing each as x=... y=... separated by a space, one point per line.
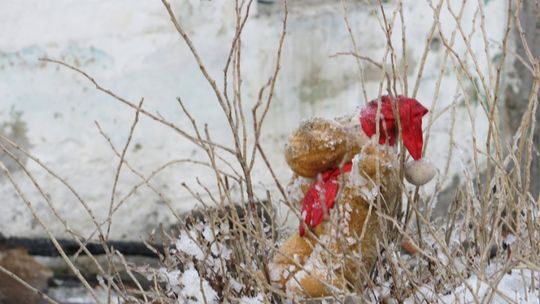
x=201 y=259
x=65 y=291
x=355 y=177
x=219 y=249
x=172 y=279
x=187 y=244
x=519 y=285
x=515 y=287
x=189 y=287
x=258 y=299
x=236 y=286
x=294 y=188
x=208 y=234
x=195 y=290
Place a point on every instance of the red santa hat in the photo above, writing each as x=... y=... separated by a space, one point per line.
x=410 y=115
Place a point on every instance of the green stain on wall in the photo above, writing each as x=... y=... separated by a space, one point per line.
x=314 y=87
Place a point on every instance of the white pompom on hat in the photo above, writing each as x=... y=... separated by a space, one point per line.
x=419 y=172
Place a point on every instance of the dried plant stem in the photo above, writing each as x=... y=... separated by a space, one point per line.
x=44 y=226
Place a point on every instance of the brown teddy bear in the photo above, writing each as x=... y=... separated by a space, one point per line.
x=345 y=173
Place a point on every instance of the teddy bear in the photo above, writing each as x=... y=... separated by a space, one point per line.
x=345 y=176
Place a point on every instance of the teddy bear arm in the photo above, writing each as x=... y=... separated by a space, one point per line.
x=288 y=259
x=294 y=250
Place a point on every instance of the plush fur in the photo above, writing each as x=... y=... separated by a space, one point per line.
x=344 y=245
x=316 y=145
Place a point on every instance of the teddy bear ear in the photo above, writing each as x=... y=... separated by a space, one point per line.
x=317 y=145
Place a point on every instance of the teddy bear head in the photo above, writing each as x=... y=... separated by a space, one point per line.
x=319 y=145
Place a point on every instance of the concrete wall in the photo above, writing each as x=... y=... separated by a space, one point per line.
x=131 y=47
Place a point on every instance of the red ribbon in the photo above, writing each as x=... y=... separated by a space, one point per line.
x=313 y=208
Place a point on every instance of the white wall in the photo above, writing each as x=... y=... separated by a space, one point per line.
x=131 y=47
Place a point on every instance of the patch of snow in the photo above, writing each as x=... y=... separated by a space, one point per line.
x=218 y=249
x=369 y=194
x=514 y=287
x=208 y=234
x=510 y=239
x=195 y=289
x=294 y=188
x=258 y=299
x=235 y=285
x=186 y=244
x=172 y=279
x=80 y=295
x=355 y=176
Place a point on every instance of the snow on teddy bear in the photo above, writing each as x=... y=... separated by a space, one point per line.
x=344 y=177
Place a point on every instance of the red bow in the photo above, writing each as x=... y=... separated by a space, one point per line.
x=410 y=114
x=313 y=209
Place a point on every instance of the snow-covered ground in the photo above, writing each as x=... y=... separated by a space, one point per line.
x=202 y=256
x=517 y=286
